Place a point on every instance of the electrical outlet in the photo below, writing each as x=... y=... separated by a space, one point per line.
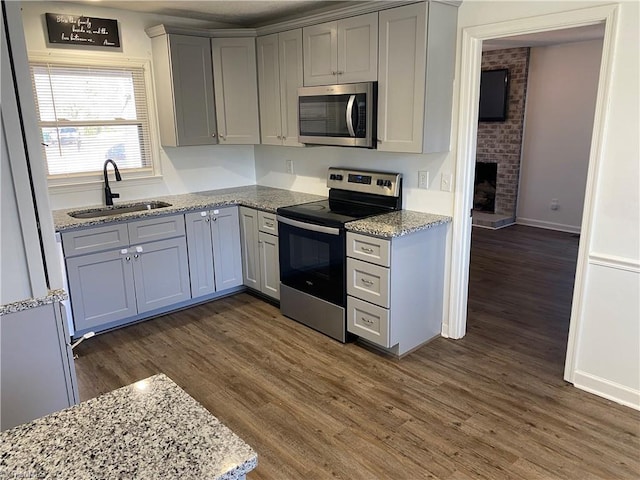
x=423 y=179
x=554 y=204
x=446 y=182
x=289 y=165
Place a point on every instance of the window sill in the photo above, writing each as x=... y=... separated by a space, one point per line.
x=92 y=185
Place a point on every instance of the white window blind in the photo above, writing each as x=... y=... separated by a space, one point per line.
x=89 y=114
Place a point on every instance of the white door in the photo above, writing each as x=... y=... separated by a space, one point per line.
x=269 y=89
x=358 y=49
x=320 y=54
x=269 y=265
x=291 y=78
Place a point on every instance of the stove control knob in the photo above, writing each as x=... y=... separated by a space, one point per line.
x=379 y=182
x=339 y=177
x=387 y=183
x=332 y=176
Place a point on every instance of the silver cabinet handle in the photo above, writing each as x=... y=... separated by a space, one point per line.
x=366 y=282
x=366 y=249
x=213 y=135
x=136 y=256
x=367 y=321
x=352 y=99
x=127 y=258
x=269 y=224
x=207 y=219
x=215 y=219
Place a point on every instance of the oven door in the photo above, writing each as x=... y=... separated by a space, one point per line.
x=312 y=259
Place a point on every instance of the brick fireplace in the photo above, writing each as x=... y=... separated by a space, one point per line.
x=501 y=142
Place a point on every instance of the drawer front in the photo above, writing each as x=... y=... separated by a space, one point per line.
x=368 y=321
x=368 y=282
x=153 y=229
x=97 y=239
x=267 y=223
x=369 y=249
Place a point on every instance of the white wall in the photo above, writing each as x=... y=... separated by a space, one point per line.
x=561 y=100
x=607 y=311
x=185 y=169
x=311 y=163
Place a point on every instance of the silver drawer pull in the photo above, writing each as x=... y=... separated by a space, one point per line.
x=366 y=282
x=269 y=224
x=367 y=321
x=366 y=249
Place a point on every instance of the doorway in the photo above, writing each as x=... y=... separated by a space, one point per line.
x=472 y=39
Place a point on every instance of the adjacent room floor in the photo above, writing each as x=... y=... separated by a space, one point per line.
x=492 y=405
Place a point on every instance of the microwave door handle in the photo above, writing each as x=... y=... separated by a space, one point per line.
x=308 y=226
x=352 y=100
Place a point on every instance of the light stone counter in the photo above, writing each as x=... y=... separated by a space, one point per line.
x=53 y=296
x=254 y=196
x=396 y=224
x=149 y=430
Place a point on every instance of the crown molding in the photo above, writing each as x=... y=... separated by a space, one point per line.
x=291 y=24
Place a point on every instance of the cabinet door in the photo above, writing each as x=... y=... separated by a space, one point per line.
x=161 y=273
x=192 y=84
x=101 y=287
x=321 y=54
x=269 y=265
x=358 y=49
x=249 y=247
x=236 y=90
x=269 y=90
x=227 y=259
x=401 y=79
x=291 y=78
x=200 y=252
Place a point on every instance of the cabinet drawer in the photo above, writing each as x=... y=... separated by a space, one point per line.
x=158 y=228
x=267 y=223
x=368 y=282
x=369 y=249
x=97 y=239
x=368 y=321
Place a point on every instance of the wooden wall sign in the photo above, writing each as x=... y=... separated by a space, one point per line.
x=79 y=30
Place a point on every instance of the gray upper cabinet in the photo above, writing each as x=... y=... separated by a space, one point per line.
x=184 y=90
x=236 y=90
x=215 y=261
x=344 y=51
x=415 y=80
x=280 y=74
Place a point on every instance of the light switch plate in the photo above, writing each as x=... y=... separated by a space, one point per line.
x=446 y=182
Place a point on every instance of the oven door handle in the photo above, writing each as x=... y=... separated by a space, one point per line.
x=309 y=226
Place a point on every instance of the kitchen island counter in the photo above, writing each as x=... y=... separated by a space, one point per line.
x=150 y=429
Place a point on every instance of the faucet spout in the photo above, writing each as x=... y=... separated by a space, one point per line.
x=108 y=195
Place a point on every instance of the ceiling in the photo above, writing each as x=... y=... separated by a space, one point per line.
x=237 y=12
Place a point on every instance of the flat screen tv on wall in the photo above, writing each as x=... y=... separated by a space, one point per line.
x=494 y=95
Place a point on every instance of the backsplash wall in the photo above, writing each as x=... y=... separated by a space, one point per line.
x=501 y=142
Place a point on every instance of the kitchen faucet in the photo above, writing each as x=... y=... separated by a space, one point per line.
x=108 y=196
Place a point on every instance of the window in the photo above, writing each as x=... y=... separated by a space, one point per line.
x=88 y=114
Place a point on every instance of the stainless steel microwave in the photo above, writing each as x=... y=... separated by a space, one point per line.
x=342 y=115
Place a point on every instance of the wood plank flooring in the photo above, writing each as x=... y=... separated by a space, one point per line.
x=492 y=405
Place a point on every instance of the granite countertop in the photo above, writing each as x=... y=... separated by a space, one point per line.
x=51 y=297
x=150 y=429
x=396 y=224
x=255 y=196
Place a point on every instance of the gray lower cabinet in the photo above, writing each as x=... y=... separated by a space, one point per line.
x=213 y=240
x=395 y=288
x=37 y=372
x=109 y=284
x=260 y=257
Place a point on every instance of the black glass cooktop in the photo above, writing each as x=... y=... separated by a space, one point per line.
x=330 y=212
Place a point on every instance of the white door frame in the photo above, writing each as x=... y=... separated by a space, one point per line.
x=471 y=57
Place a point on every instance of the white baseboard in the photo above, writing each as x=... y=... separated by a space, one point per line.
x=531 y=222
x=610 y=390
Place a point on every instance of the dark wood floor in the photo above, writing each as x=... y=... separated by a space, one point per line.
x=492 y=405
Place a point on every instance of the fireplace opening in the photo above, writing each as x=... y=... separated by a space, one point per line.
x=484 y=192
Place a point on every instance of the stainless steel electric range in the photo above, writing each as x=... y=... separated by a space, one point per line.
x=313 y=242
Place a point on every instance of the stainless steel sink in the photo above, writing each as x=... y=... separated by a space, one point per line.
x=118 y=209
